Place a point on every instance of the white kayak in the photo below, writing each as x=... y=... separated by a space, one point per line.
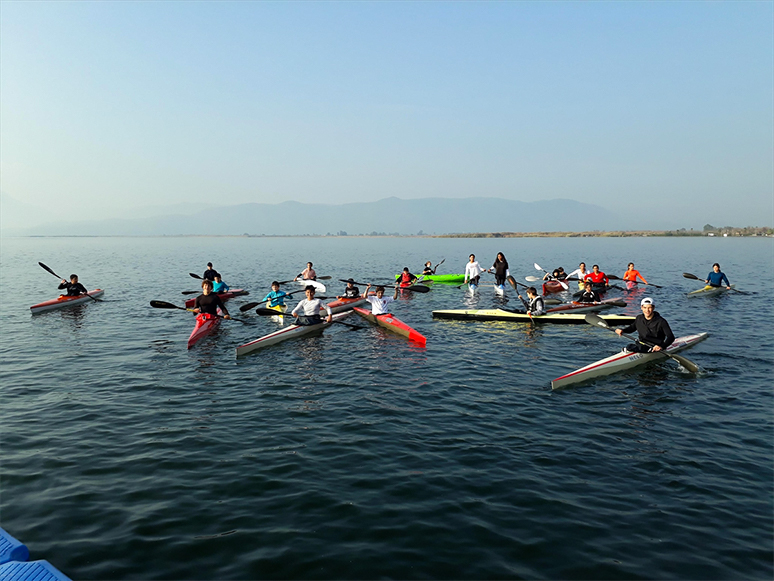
x=622 y=361
x=318 y=286
x=291 y=332
x=709 y=291
x=499 y=290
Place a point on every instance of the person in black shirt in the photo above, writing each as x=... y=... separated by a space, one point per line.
x=351 y=292
x=74 y=288
x=652 y=328
x=208 y=302
x=500 y=268
x=210 y=273
x=589 y=295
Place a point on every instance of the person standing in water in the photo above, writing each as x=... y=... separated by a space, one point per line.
x=500 y=269
x=473 y=270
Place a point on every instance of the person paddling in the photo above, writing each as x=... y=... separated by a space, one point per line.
x=351 y=292
x=218 y=286
x=207 y=304
x=210 y=273
x=652 y=329
x=473 y=270
x=599 y=280
x=579 y=273
x=276 y=297
x=557 y=274
x=406 y=278
x=311 y=308
x=535 y=306
x=428 y=270
x=74 y=288
x=631 y=275
x=379 y=303
x=714 y=278
x=307 y=274
x=588 y=296
x=500 y=268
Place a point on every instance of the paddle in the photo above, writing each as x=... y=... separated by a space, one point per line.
x=694 y=277
x=597 y=321
x=249 y=306
x=439 y=264
x=614 y=277
x=538 y=267
x=166 y=305
x=60 y=278
x=272 y=312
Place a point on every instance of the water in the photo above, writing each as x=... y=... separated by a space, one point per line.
x=358 y=455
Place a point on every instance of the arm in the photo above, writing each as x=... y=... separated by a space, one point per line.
x=642 y=277
x=330 y=314
x=64 y=285
x=222 y=307
x=725 y=278
x=299 y=308
x=628 y=329
x=669 y=337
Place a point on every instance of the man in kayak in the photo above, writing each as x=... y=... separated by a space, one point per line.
x=210 y=273
x=473 y=270
x=74 y=288
x=276 y=296
x=588 y=296
x=714 y=278
x=631 y=275
x=406 y=278
x=599 y=280
x=208 y=302
x=311 y=308
x=307 y=274
x=500 y=269
x=652 y=328
x=351 y=292
x=379 y=303
x=218 y=286
x=535 y=306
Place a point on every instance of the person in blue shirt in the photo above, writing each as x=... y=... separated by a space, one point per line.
x=716 y=278
x=276 y=296
x=219 y=286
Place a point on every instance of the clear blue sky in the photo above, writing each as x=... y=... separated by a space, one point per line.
x=647 y=108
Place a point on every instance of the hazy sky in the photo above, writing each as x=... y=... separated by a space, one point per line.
x=647 y=108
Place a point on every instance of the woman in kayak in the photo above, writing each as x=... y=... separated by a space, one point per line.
x=428 y=270
x=714 y=278
x=406 y=278
x=631 y=275
x=652 y=328
x=588 y=296
x=536 y=306
x=307 y=274
x=74 y=288
x=579 y=273
x=218 y=286
x=379 y=303
x=311 y=308
x=500 y=269
x=276 y=296
x=210 y=273
x=558 y=274
x=208 y=302
x=599 y=280
x=351 y=292
x=473 y=270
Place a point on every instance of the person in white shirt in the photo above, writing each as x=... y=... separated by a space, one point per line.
x=379 y=303
x=311 y=308
x=579 y=273
x=473 y=270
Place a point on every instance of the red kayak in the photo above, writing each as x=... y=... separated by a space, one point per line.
x=65 y=301
x=205 y=324
x=576 y=307
x=552 y=286
x=341 y=305
x=393 y=324
x=223 y=296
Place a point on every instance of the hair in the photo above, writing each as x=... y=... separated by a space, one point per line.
x=380 y=288
x=72 y=276
x=275 y=283
x=217 y=275
x=716 y=264
x=586 y=283
x=532 y=290
x=206 y=282
x=209 y=264
x=595 y=266
x=472 y=256
x=429 y=262
x=405 y=269
x=310 y=287
x=582 y=264
x=630 y=264
x=309 y=264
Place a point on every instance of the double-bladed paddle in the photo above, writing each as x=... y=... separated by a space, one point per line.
x=598 y=321
x=538 y=267
x=694 y=277
x=273 y=313
x=44 y=267
x=249 y=306
x=166 y=305
x=614 y=277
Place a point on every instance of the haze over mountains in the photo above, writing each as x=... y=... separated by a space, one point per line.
x=389 y=216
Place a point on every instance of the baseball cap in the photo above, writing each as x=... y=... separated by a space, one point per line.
x=647 y=301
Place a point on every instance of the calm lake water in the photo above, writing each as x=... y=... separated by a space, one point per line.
x=357 y=455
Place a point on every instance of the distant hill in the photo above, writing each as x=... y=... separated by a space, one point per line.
x=389 y=216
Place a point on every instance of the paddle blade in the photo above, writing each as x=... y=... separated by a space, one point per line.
x=192 y=275
x=417 y=288
x=596 y=320
x=691 y=276
x=191 y=292
x=531 y=278
x=440 y=263
x=511 y=281
x=687 y=363
x=324 y=277
x=617 y=303
x=538 y=267
x=164 y=305
x=44 y=267
x=248 y=306
x=267 y=312
x=552 y=301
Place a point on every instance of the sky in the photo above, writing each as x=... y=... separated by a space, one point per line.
x=653 y=110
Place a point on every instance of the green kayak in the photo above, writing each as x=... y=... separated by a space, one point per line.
x=447 y=278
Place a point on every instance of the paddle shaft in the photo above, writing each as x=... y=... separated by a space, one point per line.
x=166 y=305
x=60 y=278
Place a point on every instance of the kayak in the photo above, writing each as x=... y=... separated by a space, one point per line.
x=65 y=301
x=552 y=286
x=624 y=360
x=393 y=324
x=223 y=296
x=205 y=324
x=499 y=289
x=290 y=332
x=318 y=286
x=281 y=309
x=504 y=315
x=442 y=278
x=341 y=305
x=576 y=307
x=709 y=291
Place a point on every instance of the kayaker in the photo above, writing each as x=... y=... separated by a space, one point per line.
x=378 y=301
x=276 y=296
x=579 y=273
x=473 y=270
x=74 y=288
x=406 y=278
x=557 y=274
x=589 y=295
x=210 y=273
x=428 y=270
x=599 y=280
x=351 y=292
x=631 y=275
x=714 y=278
x=535 y=306
x=209 y=302
x=500 y=269
x=311 y=308
x=218 y=286
x=307 y=274
x=652 y=329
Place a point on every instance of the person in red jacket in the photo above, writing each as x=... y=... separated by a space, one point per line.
x=598 y=279
x=631 y=275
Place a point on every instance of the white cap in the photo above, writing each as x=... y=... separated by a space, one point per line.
x=647 y=301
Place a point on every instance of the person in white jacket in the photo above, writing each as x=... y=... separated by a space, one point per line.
x=473 y=270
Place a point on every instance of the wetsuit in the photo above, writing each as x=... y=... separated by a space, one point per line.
x=714 y=278
x=589 y=297
x=209 y=304
x=210 y=274
x=73 y=290
x=277 y=298
x=501 y=271
x=655 y=331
